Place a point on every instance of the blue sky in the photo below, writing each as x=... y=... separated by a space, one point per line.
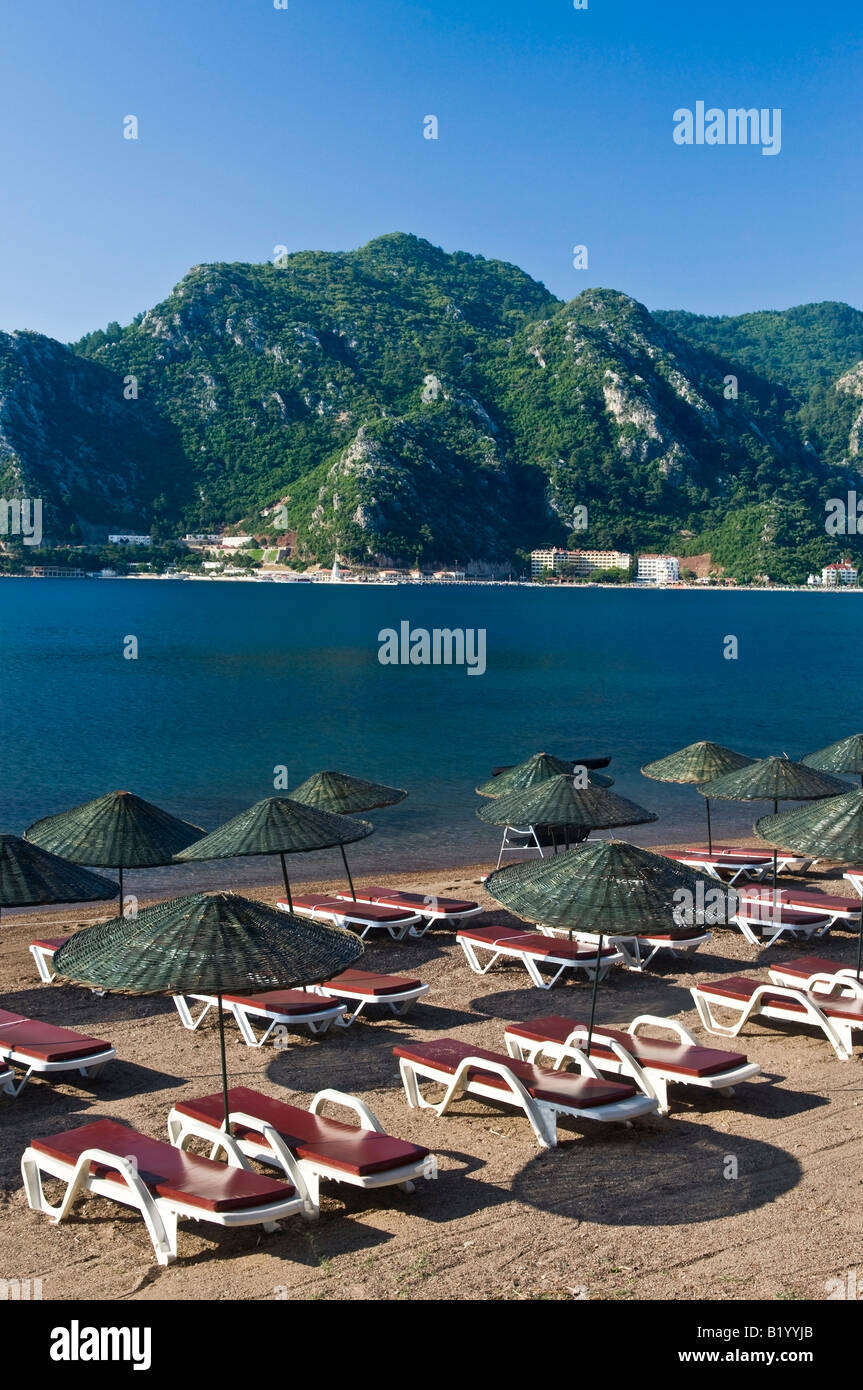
x=304 y=127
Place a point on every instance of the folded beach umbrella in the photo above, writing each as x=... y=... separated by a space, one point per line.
x=831 y=829
x=698 y=762
x=280 y=826
x=608 y=888
x=844 y=756
x=203 y=944
x=343 y=795
x=538 y=768
x=118 y=831
x=774 y=779
x=31 y=877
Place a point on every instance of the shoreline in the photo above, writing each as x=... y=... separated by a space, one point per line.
x=448 y=583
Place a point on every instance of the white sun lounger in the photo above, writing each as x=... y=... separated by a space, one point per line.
x=533 y=949
x=109 y=1159
x=812 y=973
x=855 y=878
x=286 y=1008
x=366 y=990
x=739 y=863
x=42 y=1049
x=432 y=909
x=639 y=951
x=306 y=1147
x=764 y=925
x=830 y=905
x=361 y=918
x=541 y=1094
x=832 y=1005
x=652 y=1063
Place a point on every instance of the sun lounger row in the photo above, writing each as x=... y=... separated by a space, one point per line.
x=316 y=1008
x=639 y=951
x=42 y=1049
x=533 y=949
x=738 y=862
x=830 y=1002
x=380 y=909
x=166 y=1184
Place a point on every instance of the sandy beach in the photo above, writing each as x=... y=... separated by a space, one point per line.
x=613 y=1213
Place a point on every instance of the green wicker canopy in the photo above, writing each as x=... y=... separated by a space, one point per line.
x=206 y=945
x=280 y=826
x=844 y=756
x=539 y=768
x=343 y=795
x=698 y=762
x=774 y=779
x=116 y=831
x=829 y=829
x=606 y=887
x=557 y=802
x=277 y=825
x=30 y=876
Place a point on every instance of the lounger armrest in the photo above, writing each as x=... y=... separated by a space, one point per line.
x=628 y=1063
x=117 y=1163
x=367 y=1119
x=836 y=983
x=654 y=1021
x=571 y=1052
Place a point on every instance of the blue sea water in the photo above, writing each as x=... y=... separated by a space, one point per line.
x=235 y=679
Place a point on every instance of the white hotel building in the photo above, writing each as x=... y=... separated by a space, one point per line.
x=580 y=562
x=658 y=569
x=843 y=573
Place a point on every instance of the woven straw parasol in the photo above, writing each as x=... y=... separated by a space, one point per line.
x=698 y=762
x=280 y=826
x=538 y=768
x=344 y=796
x=118 y=831
x=31 y=877
x=844 y=756
x=206 y=944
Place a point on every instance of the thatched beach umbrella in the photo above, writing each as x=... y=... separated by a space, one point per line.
x=203 y=944
x=698 y=762
x=538 y=768
x=558 y=802
x=831 y=829
x=608 y=888
x=279 y=826
x=844 y=756
x=344 y=796
x=774 y=779
x=118 y=831
x=32 y=877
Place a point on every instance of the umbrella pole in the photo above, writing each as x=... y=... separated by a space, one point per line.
x=775 y=858
x=348 y=872
x=287 y=884
x=122 y=903
x=593 y=995
x=227 y=1103
x=709 y=832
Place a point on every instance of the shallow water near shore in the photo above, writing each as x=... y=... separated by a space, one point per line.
x=232 y=681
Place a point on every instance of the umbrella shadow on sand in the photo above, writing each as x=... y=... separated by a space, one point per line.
x=617 y=1000
x=71 y=1007
x=633 y=1178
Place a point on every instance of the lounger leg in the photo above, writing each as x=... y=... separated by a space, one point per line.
x=46 y=974
x=246 y=1030
x=532 y=969
x=473 y=960
x=93 y=1073
x=186 y=1014
x=706 y=1015
x=317 y=1026
x=659 y=1087
x=14 y=1090
x=345 y=1020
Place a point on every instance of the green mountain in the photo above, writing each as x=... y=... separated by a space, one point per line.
x=401 y=402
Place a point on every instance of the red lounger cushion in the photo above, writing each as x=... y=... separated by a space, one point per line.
x=556 y=1087
x=739 y=987
x=52 y=943
x=686 y=1058
x=281 y=1001
x=739 y=852
x=169 y=1172
x=418 y=902
x=804 y=966
x=801 y=897
x=762 y=912
x=346 y=907
x=367 y=982
x=533 y=942
x=346 y=1147
x=43 y=1042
